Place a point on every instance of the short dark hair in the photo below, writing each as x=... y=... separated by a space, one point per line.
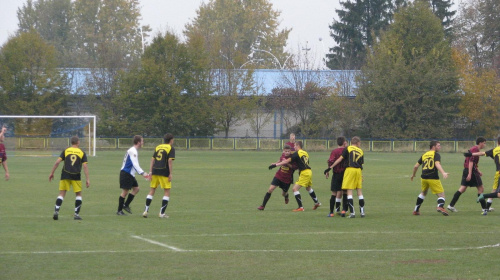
x=167 y=138
x=137 y=139
x=433 y=143
x=299 y=143
x=74 y=140
x=480 y=139
x=286 y=147
x=341 y=140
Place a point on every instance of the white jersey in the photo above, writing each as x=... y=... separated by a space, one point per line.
x=131 y=162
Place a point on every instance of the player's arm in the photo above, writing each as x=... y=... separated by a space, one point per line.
x=337 y=161
x=151 y=165
x=281 y=163
x=56 y=164
x=6 y=168
x=135 y=162
x=476 y=154
x=170 y=161
x=469 y=175
x=86 y=171
x=440 y=168
x=415 y=168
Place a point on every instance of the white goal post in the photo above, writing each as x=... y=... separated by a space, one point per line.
x=92 y=143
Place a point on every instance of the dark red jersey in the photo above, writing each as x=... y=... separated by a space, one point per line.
x=3 y=154
x=334 y=155
x=284 y=174
x=474 y=159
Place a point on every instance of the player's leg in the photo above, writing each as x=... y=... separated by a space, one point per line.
x=298 y=198
x=77 y=188
x=149 y=197
x=63 y=187
x=361 y=201
x=350 y=203
x=437 y=189
x=164 y=202
x=121 y=201
x=267 y=196
x=130 y=198
x=332 y=204
x=457 y=195
x=421 y=197
x=480 y=190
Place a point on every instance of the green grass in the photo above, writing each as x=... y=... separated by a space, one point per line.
x=220 y=234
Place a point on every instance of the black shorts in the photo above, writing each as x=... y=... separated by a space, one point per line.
x=127 y=181
x=280 y=184
x=475 y=179
x=337 y=179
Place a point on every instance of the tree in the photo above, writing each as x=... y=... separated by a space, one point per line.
x=52 y=20
x=442 y=9
x=168 y=93
x=481 y=96
x=360 y=23
x=408 y=89
x=234 y=29
x=30 y=83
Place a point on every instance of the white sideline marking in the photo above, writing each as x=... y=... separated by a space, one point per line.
x=250 y=250
x=158 y=243
x=318 y=233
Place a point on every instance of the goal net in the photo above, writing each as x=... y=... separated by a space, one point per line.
x=47 y=135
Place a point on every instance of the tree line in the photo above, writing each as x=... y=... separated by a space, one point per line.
x=423 y=70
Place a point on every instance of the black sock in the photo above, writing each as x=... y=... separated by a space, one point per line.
x=418 y=204
x=488 y=205
x=441 y=202
x=350 y=203
x=164 y=204
x=148 y=202
x=266 y=199
x=362 y=205
x=332 y=203
x=78 y=206
x=313 y=196
x=129 y=199
x=344 y=202
x=58 y=204
x=120 y=203
x=483 y=203
x=490 y=195
x=299 y=200
x=455 y=198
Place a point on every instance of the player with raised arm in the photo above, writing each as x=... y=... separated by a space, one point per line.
x=74 y=159
x=431 y=164
x=338 y=195
x=471 y=177
x=282 y=179
x=353 y=178
x=301 y=158
x=161 y=173
x=128 y=182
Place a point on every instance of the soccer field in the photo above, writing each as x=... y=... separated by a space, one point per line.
x=216 y=232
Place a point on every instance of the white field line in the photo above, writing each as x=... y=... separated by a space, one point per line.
x=158 y=243
x=250 y=250
x=318 y=233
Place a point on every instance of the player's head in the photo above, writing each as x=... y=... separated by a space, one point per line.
x=341 y=141
x=298 y=145
x=292 y=137
x=138 y=139
x=481 y=140
x=435 y=144
x=75 y=140
x=287 y=150
x=168 y=138
x=356 y=141
x=498 y=140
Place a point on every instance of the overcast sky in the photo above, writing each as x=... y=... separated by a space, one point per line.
x=309 y=19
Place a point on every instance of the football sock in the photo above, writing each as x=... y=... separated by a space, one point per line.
x=361 y=204
x=337 y=204
x=120 y=203
x=344 y=202
x=298 y=198
x=490 y=195
x=350 y=203
x=59 y=202
x=130 y=197
x=164 y=204
x=489 y=202
x=313 y=195
x=420 y=200
x=483 y=203
x=266 y=198
x=440 y=202
x=286 y=195
x=332 y=203
x=78 y=204
x=149 y=198
x=455 y=198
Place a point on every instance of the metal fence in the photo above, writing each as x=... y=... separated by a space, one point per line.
x=237 y=143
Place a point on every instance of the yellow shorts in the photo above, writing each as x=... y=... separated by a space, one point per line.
x=157 y=180
x=353 y=179
x=433 y=184
x=305 y=178
x=495 y=181
x=64 y=185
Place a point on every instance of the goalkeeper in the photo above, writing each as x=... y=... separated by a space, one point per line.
x=282 y=179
